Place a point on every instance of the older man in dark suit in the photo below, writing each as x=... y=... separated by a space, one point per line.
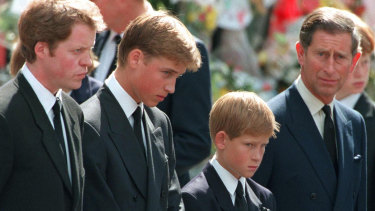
x=40 y=126
x=128 y=143
x=318 y=160
x=352 y=94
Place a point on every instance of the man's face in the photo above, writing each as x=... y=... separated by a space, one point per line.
x=357 y=80
x=154 y=79
x=326 y=63
x=241 y=156
x=67 y=64
x=113 y=11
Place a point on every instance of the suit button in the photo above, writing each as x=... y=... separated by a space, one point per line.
x=135 y=198
x=313 y=196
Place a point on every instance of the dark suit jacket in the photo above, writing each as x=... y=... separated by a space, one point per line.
x=296 y=166
x=88 y=88
x=118 y=176
x=207 y=192
x=33 y=174
x=366 y=107
x=190 y=120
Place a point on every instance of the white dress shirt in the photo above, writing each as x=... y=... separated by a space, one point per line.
x=47 y=99
x=126 y=102
x=313 y=104
x=230 y=182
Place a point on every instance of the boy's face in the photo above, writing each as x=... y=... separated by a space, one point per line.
x=154 y=79
x=242 y=155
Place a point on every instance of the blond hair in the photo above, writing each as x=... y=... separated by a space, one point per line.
x=158 y=34
x=242 y=112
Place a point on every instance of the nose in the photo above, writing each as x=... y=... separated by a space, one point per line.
x=170 y=86
x=86 y=60
x=330 y=68
x=258 y=154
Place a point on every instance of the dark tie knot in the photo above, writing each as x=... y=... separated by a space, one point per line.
x=57 y=107
x=239 y=190
x=117 y=39
x=327 y=110
x=137 y=115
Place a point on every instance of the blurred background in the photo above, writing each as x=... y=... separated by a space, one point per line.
x=251 y=43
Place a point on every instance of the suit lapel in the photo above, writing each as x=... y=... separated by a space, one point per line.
x=122 y=135
x=302 y=126
x=218 y=188
x=73 y=152
x=345 y=152
x=101 y=39
x=156 y=160
x=48 y=135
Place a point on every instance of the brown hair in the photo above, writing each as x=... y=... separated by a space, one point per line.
x=158 y=34
x=51 y=21
x=330 y=20
x=242 y=112
x=365 y=32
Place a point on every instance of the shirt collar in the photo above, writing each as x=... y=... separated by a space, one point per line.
x=351 y=100
x=313 y=104
x=45 y=97
x=126 y=102
x=230 y=182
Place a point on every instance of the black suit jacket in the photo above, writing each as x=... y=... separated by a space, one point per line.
x=297 y=167
x=118 y=176
x=366 y=107
x=207 y=192
x=88 y=88
x=33 y=174
x=190 y=120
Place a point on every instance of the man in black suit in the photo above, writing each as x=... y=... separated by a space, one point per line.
x=318 y=160
x=128 y=144
x=189 y=120
x=240 y=125
x=40 y=126
x=352 y=94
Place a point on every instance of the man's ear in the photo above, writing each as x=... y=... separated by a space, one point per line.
x=300 y=53
x=355 y=61
x=41 y=49
x=135 y=58
x=220 y=140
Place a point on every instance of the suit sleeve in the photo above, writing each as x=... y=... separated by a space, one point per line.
x=97 y=194
x=191 y=202
x=6 y=153
x=362 y=195
x=188 y=109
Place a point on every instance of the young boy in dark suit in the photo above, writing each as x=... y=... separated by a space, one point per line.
x=240 y=126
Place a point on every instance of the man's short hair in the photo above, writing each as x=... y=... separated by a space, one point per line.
x=365 y=32
x=242 y=112
x=158 y=34
x=330 y=20
x=51 y=21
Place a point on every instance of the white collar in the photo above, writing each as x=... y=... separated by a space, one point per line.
x=230 y=182
x=313 y=104
x=126 y=102
x=45 y=97
x=351 y=100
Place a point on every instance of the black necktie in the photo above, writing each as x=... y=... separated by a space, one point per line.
x=240 y=203
x=137 y=115
x=58 y=127
x=329 y=135
x=117 y=40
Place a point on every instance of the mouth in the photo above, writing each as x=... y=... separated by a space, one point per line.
x=358 y=84
x=160 y=98
x=328 y=81
x=253 y=168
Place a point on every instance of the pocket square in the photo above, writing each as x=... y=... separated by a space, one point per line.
x=357 y=157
